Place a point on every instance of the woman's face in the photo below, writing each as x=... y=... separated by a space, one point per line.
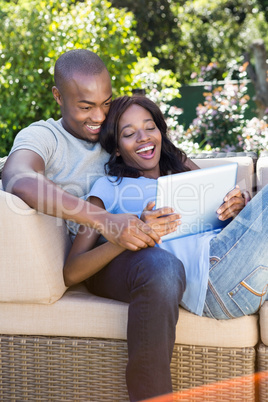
x=139 y=141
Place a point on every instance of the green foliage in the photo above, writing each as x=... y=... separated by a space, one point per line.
x=34 y=34
x=186 y=35
x=221 y=123
x=215 y=31
x=156 y=28
x=160 y=85
x=264 y=7
x=221 y=118
x=168 y=41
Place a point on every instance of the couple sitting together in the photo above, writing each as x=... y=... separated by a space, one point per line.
x=124 y=144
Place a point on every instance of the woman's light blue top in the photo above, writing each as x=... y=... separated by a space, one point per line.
x=131 y=196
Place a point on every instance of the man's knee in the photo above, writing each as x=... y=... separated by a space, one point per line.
x=159 y=271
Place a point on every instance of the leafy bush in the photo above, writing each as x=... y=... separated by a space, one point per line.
x=214 y=31
x=255 y=135
x=221 y=123
x=210 y=72
x=151 y=15
x=34 y=34
x=221 y=118
x=161 y=86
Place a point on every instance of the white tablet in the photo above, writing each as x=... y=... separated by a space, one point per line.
x=196 y=195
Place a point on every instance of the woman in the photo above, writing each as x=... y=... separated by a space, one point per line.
x=212 y=274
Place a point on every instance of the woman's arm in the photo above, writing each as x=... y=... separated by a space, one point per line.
x=84 y=260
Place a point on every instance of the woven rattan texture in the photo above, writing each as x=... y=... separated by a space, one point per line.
x=80 y=369
x=263 y=366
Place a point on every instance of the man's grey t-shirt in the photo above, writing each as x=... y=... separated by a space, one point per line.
x=72 y=163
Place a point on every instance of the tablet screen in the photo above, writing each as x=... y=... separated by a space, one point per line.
x=196 y=195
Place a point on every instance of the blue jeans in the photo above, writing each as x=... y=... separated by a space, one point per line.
x=238 y=276
x=152 y=281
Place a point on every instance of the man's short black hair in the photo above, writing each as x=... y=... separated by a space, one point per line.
x=77 y=61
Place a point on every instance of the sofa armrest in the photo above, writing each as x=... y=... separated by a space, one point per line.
x=262 y=171
x=33 y=248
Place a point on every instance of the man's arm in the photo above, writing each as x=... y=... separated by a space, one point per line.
x=23 y=175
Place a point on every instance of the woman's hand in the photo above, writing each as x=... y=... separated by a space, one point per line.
x=234 y=202
x=163 y=220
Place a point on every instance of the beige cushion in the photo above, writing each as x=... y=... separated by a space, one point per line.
x=262 y=172
x=264 y=323
x=32 y=248
x=79 y=313
x=245 y=172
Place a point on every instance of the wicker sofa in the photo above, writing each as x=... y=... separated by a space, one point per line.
x=60 y=344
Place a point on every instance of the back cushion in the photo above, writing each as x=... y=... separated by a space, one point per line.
x=33 y=248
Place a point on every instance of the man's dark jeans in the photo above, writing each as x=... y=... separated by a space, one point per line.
x=152 y=281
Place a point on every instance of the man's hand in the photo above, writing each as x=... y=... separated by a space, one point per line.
x=128 y=231
x=162 y=220
x=234 y=202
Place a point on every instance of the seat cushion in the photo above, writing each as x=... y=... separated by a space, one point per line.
x=81 y=314
x=264 y=323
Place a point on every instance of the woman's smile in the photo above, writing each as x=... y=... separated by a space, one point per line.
x=146 y=152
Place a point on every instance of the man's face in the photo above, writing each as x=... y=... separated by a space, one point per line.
x=85 y=101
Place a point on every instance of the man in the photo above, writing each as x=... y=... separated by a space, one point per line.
x=53 y=163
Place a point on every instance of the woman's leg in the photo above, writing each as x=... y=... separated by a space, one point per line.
x=238 y=276
x=152 y=281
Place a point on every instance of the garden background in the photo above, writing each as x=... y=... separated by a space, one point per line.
x=203 y=61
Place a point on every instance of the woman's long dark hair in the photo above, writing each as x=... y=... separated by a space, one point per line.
x=172 y=159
